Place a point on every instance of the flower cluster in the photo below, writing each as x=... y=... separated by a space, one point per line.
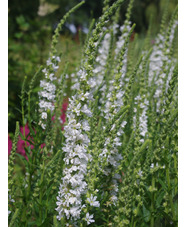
x=25 y=131
x=10 y=200
x=160 y=61
x=47 y=95
x=143 y=118
x=9 y=145
x=112 y=105
x=73 y=185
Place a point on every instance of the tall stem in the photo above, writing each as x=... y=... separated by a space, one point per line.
x=41 y=193
x=169 y=192
x=152 y=202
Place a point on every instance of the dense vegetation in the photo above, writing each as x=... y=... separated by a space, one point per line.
x=31 y=25
x=96 y=141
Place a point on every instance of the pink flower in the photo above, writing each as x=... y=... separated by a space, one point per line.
x=65 y=105
x=63 y=110
x=21 y=143
x=9 y=145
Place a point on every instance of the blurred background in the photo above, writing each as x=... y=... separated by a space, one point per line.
x=31 y=26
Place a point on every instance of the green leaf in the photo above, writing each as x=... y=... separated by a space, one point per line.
x=22 y=158
x=55 y=221
x=32 y=223
x=164 y=186
x=14 y=218
x=18 y=35
x=146 y=214
x=159 y=198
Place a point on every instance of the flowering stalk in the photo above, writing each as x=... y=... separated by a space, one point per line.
x=11 y=166
x=29 y=94
x=113 y=141
x=47 y=95
x=76 y=157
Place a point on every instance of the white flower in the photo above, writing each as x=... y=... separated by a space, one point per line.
x=55 y=67
x=113 y=198
x=49 y=62
x=43 y=126
x=44 y=115
x=47 y=94
x=85 y=125
x=114 y=125
x=123 y=124
x=152 y=165
x=89 y=219
x=140 y=173
x=58 y=58
x=51 y=77
x=75 y=212
x=76 y=159
x=45 y=71
x=92 y=201
x=86 y=110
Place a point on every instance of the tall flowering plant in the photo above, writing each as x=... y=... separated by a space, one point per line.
x=108 y=157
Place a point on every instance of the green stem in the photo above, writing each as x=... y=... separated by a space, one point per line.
x=23 y=120
x=14 y=218
x=176 y=178
x=169 y=192
x=22 y=107
x=29 y=120
x=132 y=221
x=41 y=194
x=152 y=203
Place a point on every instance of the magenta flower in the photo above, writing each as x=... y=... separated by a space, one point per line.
x=63 y=111
x=9 y=145
x=21 y=143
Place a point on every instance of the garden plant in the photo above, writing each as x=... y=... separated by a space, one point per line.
x=98 y=147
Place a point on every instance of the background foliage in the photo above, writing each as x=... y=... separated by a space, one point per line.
x=31 y=25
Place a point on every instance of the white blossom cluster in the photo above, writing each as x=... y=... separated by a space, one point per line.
x=101 y=59
x=171 y=37
x=47 y=95
x=97 y=79
x=73 y=185
x=99 y=68
x=157 y=59
x=125 y=29
x=143 y=120
x=111 y=152
x=10 y=200
x=143 y=104
x=173 y=29
x=118 y=102
x=111 y=106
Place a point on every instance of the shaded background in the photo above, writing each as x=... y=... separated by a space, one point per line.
x=31 y=25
